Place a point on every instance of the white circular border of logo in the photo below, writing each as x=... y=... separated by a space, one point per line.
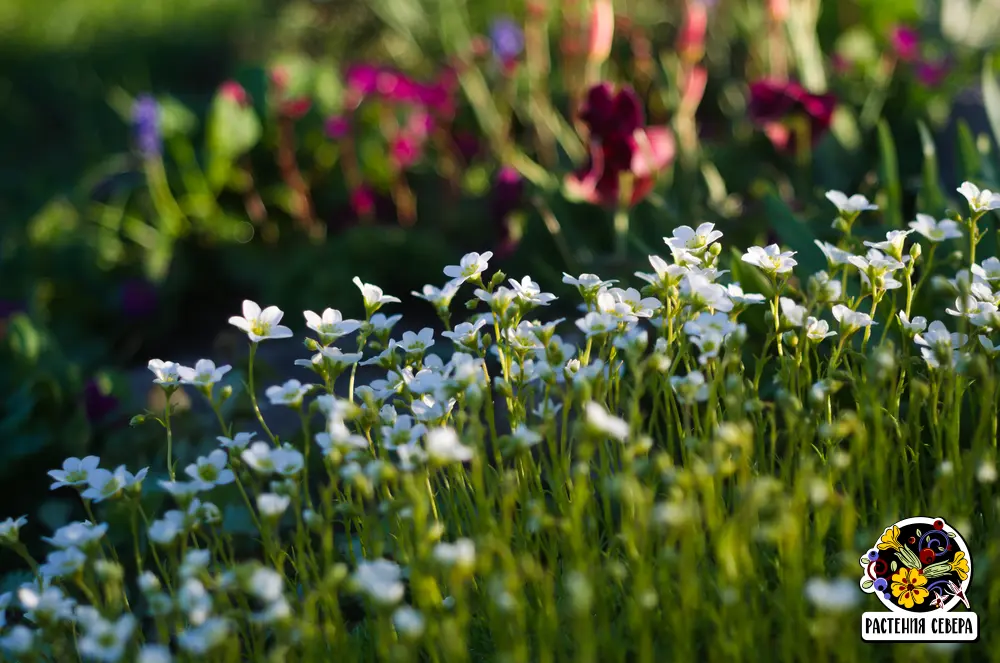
x=892 y=606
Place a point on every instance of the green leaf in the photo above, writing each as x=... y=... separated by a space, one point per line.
x=931 y=196
x=24 y=339
x=793 y=232
x=889 y=167
x=968 y=155
x=893 y=566
x=175 y=118
x=867 y=584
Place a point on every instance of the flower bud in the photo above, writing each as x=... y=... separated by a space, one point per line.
x=915 y=251
x=691 y=42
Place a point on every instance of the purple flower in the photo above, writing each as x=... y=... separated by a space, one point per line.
x=881 y=584
x=507 y=39
x=932 y=73
x=137 y=298
x=97 y=404
x=146 y=126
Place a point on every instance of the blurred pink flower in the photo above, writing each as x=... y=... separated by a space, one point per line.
x=234 y=92
x=619 y=143
x=602 y=31
x=691 y=41
x=291 y=107
x=405 y=149
x=905 y=42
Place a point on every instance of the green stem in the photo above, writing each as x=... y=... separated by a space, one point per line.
x=253 y=395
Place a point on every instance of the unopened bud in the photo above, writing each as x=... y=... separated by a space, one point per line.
x=602 y=31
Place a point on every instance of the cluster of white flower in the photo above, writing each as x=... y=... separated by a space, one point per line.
x=421 y=414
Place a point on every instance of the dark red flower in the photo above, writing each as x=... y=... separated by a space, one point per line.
x=619 y=143
x=773 y=104
x=927 y=556
x=363 y=201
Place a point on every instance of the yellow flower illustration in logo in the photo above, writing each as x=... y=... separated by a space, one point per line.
x=960 y=565
x=908 y=587
x=890 y=539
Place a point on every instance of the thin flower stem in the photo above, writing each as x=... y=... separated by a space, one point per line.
x=253 y=394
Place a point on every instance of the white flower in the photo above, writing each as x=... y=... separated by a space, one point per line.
x=443 y=446
x=19 y=641
x=530 y=293
x=166 y=372
x=381 y=324
x=986 y=472
x=837 y=595
x=271 y=505
x=817 y=330
x=991 y=350
x=823 y=288
x=183 y=491
x=286 y=461
x=63 y=562
x=258 y=457
x=771 y=260
x=204 y=374
x=380 y=581
x=237 y=442
x=165 y=530
x=331 y=325
x=471 y=266
x=794 y=314
x=260 y=325
x=290 y=393
x=373 y=295
x=736 y=294
x=154 y=654
x=893 y=244
x=466 y=333
x=915 y=326
x=853 y=205
x=700 y=292
x=80 y=535
x=850 y=320
x=201 y=639
x=936 y=231
x=834 y=256
x=523 y=437
x=461 y=554
x=409 y=622
x=587 y=284
x=46 y=606
x=74 y=472
x=103 y=484
x=690 y=388
x=211 y=469
x=603 y=423
x=697 y=240
x=979 y=200
x=106 y=641
x=10 y=529
x=439 y=297
x=416 y=343
x=596 y=324
x=989 y=270
x=939 y=337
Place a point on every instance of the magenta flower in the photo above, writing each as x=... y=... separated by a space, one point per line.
x=932 y=73
x=337 y=127
x=905 y=42
x=619 y=143
x=234 y=92
x=773 y=103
